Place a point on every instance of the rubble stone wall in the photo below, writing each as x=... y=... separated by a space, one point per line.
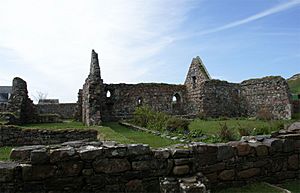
x=219 y=98
x=124 y=98
x=270 y=94
x=16 y=136
x=65 y=110
x=109 y=167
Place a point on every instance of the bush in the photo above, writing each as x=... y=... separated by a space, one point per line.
x=175 y=124
x=262 y=130
x=142 y=115
x=225 y=133
x=244 y=130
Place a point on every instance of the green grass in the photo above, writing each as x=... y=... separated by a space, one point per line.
x=140 y=137
x=211 y=127
x=294 y=85
x=293 y=186
x=111 y=131
x=252 y=188
x=4 y=153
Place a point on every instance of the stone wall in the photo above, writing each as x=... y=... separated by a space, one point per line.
x=3 y=107
x=65 y=110
x=270 y=94
x=219 y=98
x=16 y=136
x=198 y=96
x=91 y=94
x=124 y=98
x=109 y=167
x=20 y=104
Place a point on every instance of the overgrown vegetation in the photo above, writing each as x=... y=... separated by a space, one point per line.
x=4 y=153
x=144 y=116
x=257 y=187
x=211 y=130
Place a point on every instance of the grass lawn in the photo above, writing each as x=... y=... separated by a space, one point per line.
x=210 y=127
x=252 y=188
x=111 y=131
x=293 y=186
x=294 y=85
x=4 y=153
x=140 y=137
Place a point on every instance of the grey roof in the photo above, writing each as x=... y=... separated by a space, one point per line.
x=5 y=89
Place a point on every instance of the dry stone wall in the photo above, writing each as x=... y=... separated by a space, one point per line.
x=110 y=167
x=65 y=110
x=16 y=136
x=125 y=98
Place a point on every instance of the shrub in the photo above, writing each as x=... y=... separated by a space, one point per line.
x=178 y=125
x=226 y=133
x=142 y=115
x=244 y=130
x=262 y=130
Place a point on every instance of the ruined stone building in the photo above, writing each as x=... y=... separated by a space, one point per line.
x=5 y=92
x=199 y=94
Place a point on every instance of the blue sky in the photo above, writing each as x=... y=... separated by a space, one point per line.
x=48 y=43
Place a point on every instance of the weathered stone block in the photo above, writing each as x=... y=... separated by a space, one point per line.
x=111 y=165
x=248 y=173
x=288 y=145
x=181 y=170
x=227 y=175
x=7 y=171
x=224 y=152
x=260 y=149
x=181 y=153
x=134 y=186
x=38 y=172
x=62 y=154
x=71 y=168
x=23 y=153
x=243 y=149
x=293 y=162
x=90 y=152
x=39 y=156
x=138 y=149
x=161 y=153
x=275 y=145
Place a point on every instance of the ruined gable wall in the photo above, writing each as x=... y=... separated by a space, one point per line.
x=124 y=99
x=270 y=93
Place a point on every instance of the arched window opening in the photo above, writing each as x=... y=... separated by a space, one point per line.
x=108 y=94
x=139 y=101
x=176 y=98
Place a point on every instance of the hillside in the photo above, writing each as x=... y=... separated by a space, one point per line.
x=294 y=83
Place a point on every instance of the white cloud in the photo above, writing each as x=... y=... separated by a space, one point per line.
x=54 y=38
x=276 y=9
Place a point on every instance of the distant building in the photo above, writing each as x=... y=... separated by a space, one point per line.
x=5 y=92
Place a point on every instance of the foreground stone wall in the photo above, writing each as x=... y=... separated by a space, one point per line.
x=65 y=110
x=16 y=136
x=125 y=98
x=270 y=94
x=109 y=167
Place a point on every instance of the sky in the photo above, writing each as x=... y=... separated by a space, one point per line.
x=48 y=43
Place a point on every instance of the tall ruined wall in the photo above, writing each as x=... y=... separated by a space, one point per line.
x=91 y=94
x=269 y=94
x=196 y=75
x=65 y=110
x=109 y=167
x=219 y=98
x=124 y=98
x=20 y=104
